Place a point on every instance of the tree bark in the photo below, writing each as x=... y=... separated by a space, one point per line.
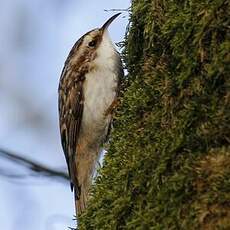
x=168 y=162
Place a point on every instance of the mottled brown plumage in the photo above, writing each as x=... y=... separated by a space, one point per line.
x=88 y=90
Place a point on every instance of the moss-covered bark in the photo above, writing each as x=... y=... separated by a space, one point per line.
x=168 y=162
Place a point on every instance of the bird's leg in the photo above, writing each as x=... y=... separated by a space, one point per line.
x=112 y=107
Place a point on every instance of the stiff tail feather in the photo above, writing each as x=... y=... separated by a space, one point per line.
x=84 y=169
x=81 y=200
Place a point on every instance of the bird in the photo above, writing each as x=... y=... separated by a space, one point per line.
x=87 y=97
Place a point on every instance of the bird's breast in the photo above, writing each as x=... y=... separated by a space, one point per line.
x=100 y=89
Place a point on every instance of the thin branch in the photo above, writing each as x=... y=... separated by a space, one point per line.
x=118 y=10
x=36 y=167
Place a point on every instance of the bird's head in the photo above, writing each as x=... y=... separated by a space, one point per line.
x=95 y=47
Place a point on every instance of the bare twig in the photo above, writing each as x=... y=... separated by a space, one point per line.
x=36 y=167
x=118 y=10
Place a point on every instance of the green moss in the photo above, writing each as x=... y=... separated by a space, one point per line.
x=212 y=185
x=174 y=116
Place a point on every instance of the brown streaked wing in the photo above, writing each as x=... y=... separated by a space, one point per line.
x=70 y=116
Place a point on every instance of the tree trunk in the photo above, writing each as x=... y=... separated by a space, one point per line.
x=168 y=162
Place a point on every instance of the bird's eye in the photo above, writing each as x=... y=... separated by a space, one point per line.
x=92 y=43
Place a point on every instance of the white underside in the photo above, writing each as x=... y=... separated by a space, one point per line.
x=99 y=93
x=100 y=89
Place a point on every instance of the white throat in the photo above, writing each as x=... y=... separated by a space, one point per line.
x=107 y=55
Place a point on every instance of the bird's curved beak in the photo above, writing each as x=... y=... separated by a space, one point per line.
x=108 y=22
